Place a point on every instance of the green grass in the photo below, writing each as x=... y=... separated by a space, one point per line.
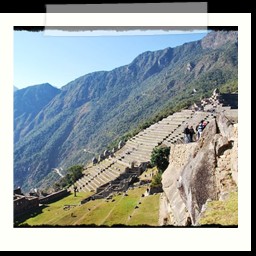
x=101 y=212
x=81 y=214
x=124 y=207
x=147 y=213
x=50 y=213
x=222 y=212
x=147 y=175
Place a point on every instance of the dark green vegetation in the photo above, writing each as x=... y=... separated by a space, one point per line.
x=99 y=108
x=28 y=103
x=74 y=173
x=160 y=158
x=156 y=181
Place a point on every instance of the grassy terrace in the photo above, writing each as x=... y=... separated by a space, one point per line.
x=131 y=209
x=222 y=212
x=50 y=213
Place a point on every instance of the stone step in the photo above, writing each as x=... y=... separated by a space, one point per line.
x=114 y=173
x=88 y=186
x=155 y=135
x=161 y=137
x=101 y=179
x=138 y=158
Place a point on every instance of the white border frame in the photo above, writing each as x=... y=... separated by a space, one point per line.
x=125 y=239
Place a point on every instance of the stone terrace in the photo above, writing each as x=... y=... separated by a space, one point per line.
x=136 y=152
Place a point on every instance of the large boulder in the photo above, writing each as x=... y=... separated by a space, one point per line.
x=179 y=156
x=201 y=171
x=234 y=155
x=225 y=126
x=197 y=177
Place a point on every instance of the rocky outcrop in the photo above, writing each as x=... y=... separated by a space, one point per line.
x=216 y=40
x=176 y=211
x=201 y=171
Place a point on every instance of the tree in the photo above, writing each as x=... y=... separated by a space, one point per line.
x=159 y=158
x=74 y=173
x=75 y=190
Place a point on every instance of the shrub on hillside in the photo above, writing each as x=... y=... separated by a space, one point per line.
x=74 y=173
x=160 y=158
x=156 y=181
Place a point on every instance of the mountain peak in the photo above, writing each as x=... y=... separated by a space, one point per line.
x=39 y=86
x=217 y=39
x=28 y=102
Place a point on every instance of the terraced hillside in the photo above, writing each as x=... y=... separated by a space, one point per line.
x=95 y=110
x=137 y=151
x=134 y=156
x=106 y=195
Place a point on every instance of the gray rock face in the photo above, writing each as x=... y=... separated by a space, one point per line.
x=225 y=126
x=201 y=171
x=198 y=183
x=215 y=40
x=234 y=156
x=172 y=181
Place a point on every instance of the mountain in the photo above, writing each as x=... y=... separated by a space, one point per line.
x=15 y=88
x=93 y=110
x=28 y=102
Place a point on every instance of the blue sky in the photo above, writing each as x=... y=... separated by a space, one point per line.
x=40 y=58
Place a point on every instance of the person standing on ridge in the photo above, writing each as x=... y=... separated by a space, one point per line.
x=186 y=135
x=191 y=133
x=200 y=129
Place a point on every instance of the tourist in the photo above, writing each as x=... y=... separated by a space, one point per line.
x=205 y=123
x=191 y=133
x=200 y=129
x=186 y=135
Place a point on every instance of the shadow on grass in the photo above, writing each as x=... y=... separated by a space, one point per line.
x=29 y=214
x=125 y=226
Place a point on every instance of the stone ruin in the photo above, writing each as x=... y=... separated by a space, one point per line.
x=94 y=161
x=120 y=144
x=121 y=183
x=217 y=100
x=106 y=153
x=101 y=157
x=137 y=150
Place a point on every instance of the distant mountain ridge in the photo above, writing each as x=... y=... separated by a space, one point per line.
x=28 y=102
x=93 y=110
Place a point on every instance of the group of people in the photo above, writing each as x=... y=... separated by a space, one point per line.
x=189 y=132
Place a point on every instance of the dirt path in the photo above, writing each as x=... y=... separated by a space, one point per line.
x=58 y=172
